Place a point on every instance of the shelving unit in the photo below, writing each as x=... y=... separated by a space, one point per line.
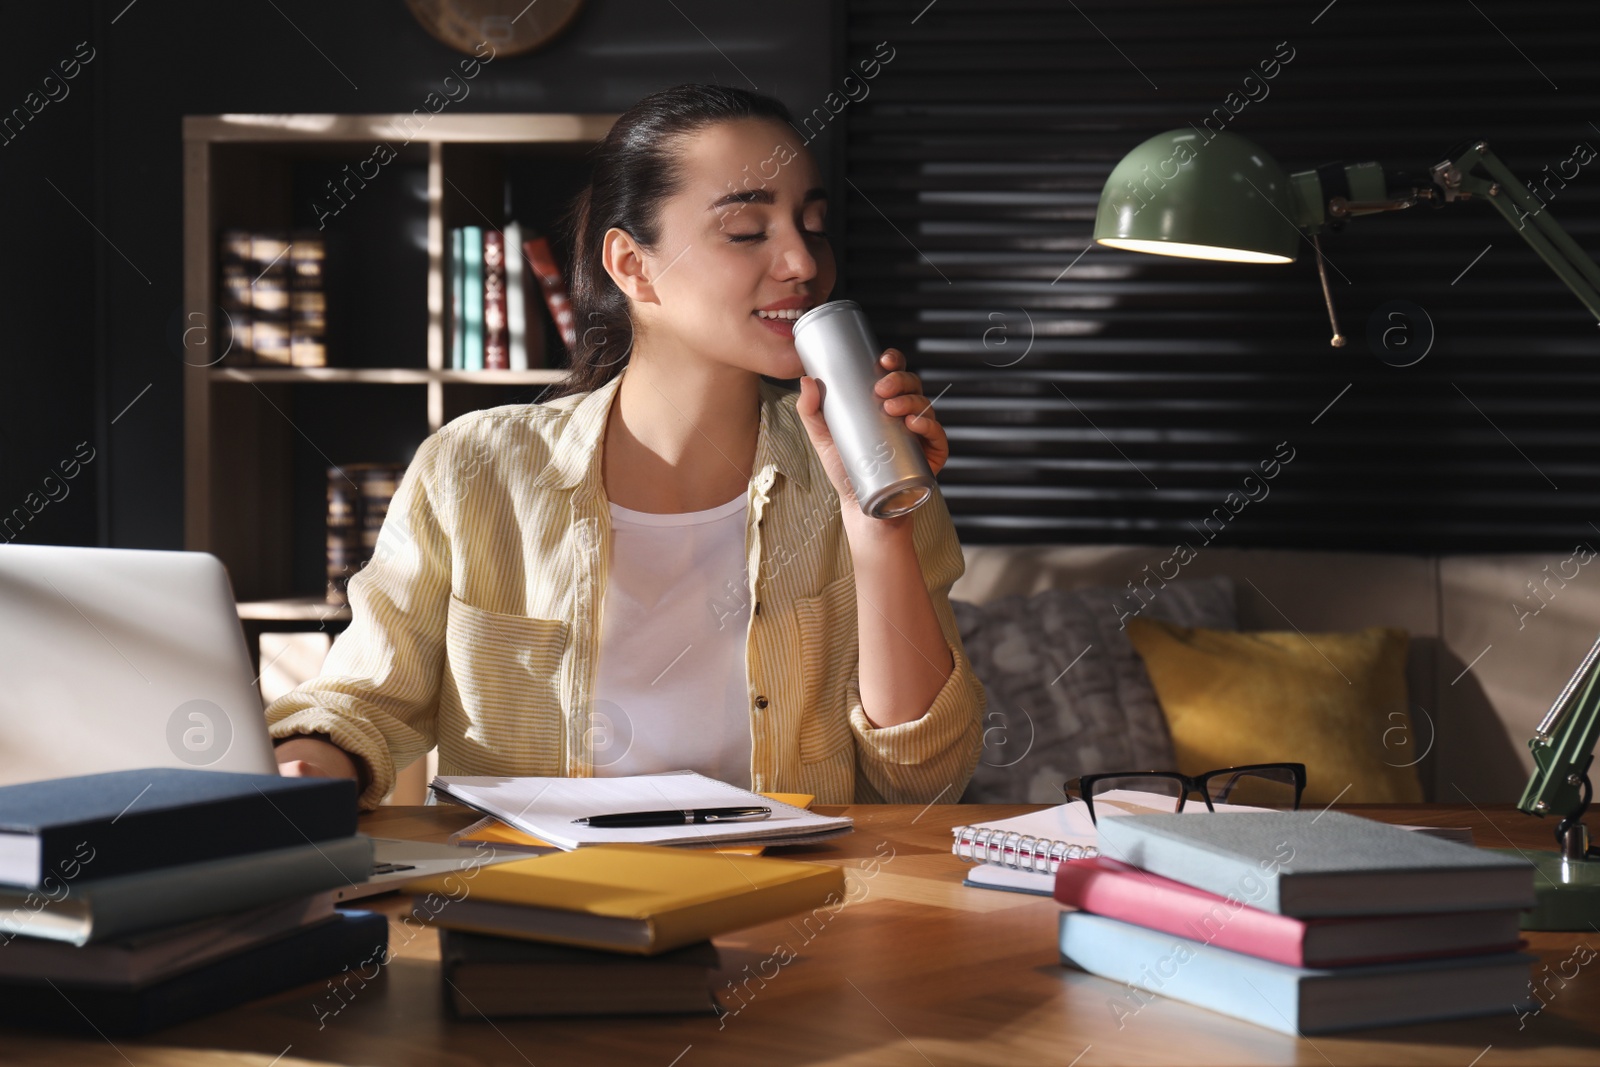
x=259 y=438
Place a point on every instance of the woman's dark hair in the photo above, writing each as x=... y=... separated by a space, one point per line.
x=635 y=168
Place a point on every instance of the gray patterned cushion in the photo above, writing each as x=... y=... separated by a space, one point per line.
x=1067 y=693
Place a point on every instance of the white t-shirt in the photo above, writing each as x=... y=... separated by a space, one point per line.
x=671 y=690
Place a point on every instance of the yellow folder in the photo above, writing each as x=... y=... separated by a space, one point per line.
x=642 y=899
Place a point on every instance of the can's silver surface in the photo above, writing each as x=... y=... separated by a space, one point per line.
x=884 y=459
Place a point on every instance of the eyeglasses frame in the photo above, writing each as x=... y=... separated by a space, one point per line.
x=1191 y=783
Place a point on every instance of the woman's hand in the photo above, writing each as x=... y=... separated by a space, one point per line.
x=314 y=757
x=901 y=393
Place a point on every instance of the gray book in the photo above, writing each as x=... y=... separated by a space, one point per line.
x=129 y=903
x=1308 y=863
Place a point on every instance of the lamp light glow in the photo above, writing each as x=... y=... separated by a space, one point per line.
x=1189 y=251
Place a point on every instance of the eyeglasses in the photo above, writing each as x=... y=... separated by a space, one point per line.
x=1268 y=785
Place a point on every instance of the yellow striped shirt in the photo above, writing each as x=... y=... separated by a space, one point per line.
x=476 y=625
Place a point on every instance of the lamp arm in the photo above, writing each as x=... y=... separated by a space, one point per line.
x=1344 y=191
x=1563 y=744
x=1331 y=194
x=1518 y=207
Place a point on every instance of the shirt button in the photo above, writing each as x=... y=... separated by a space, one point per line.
x=761 y=702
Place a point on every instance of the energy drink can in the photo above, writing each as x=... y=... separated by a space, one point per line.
x=885 y=462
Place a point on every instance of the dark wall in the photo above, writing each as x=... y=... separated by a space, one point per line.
x=115 y=152
x=48 y=259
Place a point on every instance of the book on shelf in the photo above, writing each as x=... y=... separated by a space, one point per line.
x=496 y=321
x=500 y=977
x=542 y=259
x=525 y=321
x=496 y=337
x=308 y=301
x=234 y=259
x=344 y=533
x=270 y=287
x=358 y=502
x=457 y=272
x=269 y=298
x=472 y=316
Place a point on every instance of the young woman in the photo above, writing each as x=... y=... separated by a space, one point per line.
x=663 y=566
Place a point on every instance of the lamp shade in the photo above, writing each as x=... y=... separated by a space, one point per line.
x=1183 y=194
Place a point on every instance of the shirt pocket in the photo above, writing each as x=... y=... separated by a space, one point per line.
x=828 y=650
x=504 y=665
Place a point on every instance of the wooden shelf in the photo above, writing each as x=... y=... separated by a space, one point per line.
x=293 y=609
x=387 y=375
x=251 y=455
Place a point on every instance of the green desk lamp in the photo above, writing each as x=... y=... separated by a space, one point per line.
x=1222 y=197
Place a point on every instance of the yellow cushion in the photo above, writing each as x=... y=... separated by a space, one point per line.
x=1330 y=701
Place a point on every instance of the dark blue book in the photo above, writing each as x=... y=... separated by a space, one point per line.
x=356 y=941
x=66 y=831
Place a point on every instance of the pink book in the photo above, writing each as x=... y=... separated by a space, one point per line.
x=1105 y=886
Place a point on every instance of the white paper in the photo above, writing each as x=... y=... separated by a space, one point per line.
x=545 y=808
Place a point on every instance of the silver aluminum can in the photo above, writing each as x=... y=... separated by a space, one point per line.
x=884 y=459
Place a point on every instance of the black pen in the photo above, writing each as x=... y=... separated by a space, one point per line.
x=674 y=818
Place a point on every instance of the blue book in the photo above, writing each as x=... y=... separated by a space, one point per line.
x=1291 y=1000
x=458 y=299
x=472 y=298
x=81 y=829
x=352 y=944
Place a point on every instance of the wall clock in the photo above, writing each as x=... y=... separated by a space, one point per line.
x=511 y=27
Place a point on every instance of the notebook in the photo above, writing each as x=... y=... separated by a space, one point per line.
x=1040 y=840
x=546 y=807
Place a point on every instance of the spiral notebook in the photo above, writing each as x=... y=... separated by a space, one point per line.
x=1040 y=840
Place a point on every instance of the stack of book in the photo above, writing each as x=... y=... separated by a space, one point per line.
x=614 y=929
x=497 y=280
x=358 y=500
x=271 y=291
x=1303 y=922
x=133 y=900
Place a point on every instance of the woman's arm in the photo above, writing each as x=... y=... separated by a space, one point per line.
x=913 y=701
x=905 y=659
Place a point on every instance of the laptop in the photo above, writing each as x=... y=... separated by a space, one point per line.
x=114 y=659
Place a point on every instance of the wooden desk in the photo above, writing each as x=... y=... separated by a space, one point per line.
x=916 y=970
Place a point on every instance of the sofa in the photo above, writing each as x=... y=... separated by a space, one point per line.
x=1493 y=638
